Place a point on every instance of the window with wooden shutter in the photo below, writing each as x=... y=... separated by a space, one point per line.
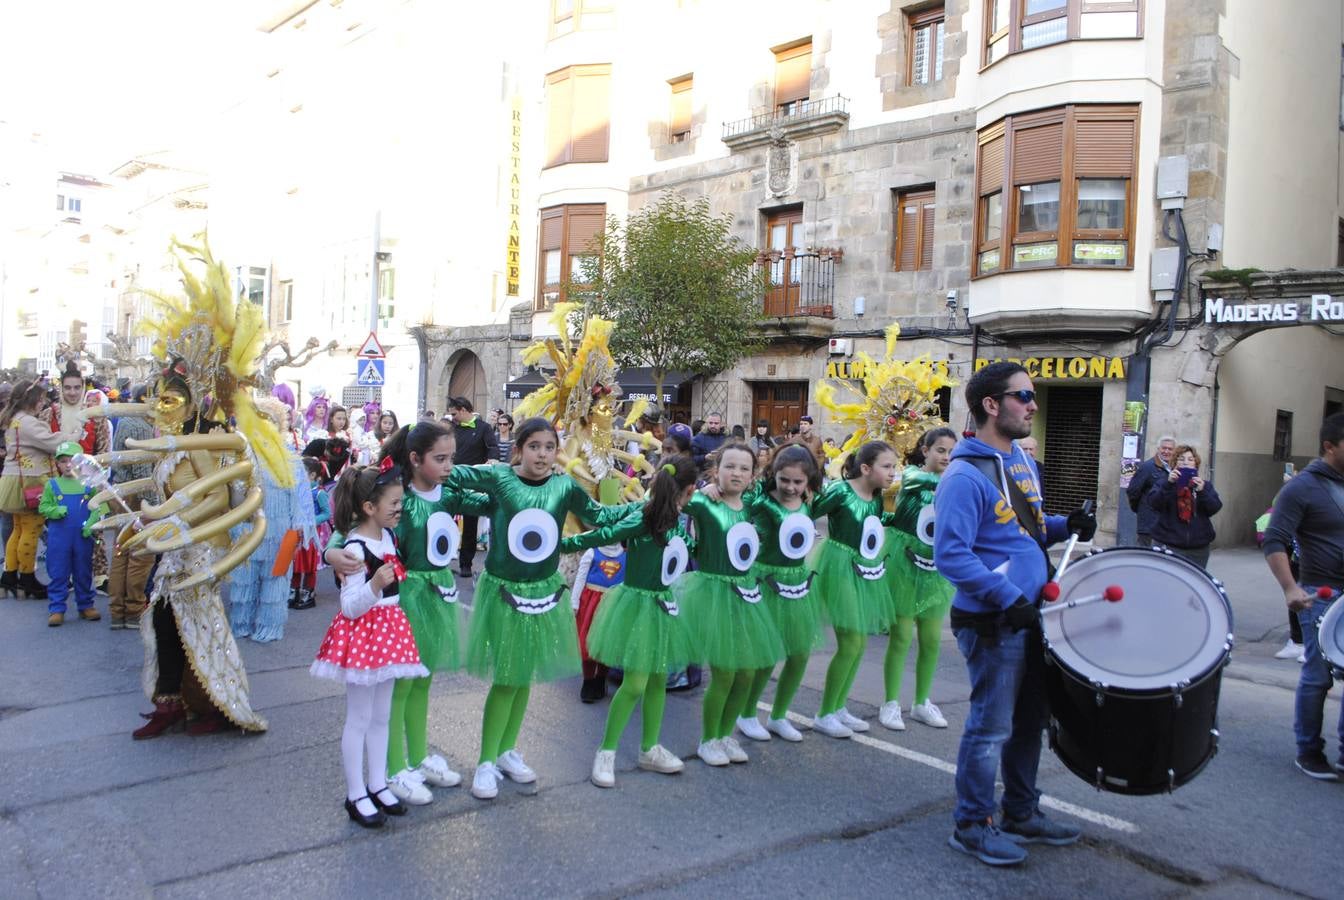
x=924 y=45
x=577 y=115
x=914 y=231
x=1055 y=188
x=793 y=76
x=679 y=120
x=568 y=235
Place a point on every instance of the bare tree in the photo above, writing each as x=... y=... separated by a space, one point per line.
x=266 y=375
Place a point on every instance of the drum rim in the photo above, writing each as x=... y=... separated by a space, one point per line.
x=1333 y=612
x=1214 y=667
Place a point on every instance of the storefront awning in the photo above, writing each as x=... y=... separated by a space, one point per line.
x=636 y=384
x=525 y=384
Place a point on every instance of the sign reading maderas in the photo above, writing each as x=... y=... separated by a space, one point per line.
x=1320 y=308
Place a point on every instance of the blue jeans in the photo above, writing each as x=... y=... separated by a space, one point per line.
x=1008 y=712
x=1313 y=684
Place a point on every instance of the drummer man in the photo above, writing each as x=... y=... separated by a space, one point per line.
x=990 y=543
x=1311 y=508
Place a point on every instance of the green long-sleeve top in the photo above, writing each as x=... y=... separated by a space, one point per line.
x=650 y=565
x=427 y=536
x=50 y=507
x=917 y=488
x=528 y=517
x=851 y=520
x=787 y=535
x=726 y=541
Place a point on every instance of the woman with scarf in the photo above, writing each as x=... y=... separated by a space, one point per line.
x=1185 y=504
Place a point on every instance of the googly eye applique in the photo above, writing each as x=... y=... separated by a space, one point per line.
x=743 y=545
x=871 y=538
x=675 y=558
x=533 y=536
x=441 y=539
x=796 y=536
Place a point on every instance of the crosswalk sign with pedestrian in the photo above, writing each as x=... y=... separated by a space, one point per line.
x=371 y=373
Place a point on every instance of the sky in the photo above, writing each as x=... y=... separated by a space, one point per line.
x=103 y=81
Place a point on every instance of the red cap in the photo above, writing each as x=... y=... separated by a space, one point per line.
x=1113 y=593
x=1050 y=592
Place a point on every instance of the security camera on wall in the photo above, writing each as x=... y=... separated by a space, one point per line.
x=952 y=299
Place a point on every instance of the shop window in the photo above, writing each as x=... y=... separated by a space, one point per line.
x=1056 y=189
x=577 y=115
x=914 y=231
x=569 y=15
x=793 y=76
x=679 y=120
x=924 y=38
x=1283 y=435
x=569 y=235
x=1014 y=26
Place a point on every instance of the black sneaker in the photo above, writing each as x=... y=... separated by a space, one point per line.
x=1038 y=828
x=593 y=690
x=987 y=844
x=1313 y=765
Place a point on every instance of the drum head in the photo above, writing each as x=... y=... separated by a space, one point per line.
x=1174 y=624
x=1331 y=634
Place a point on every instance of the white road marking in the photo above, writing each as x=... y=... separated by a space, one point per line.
x=933 y=762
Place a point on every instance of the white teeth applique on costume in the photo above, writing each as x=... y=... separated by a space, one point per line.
x=749 y=594
x=447 y=594
x=919 y=562
x=668 y=605
x=871 y=573
x=528 y=605
x=792 y=591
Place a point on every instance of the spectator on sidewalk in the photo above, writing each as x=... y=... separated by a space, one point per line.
x=811 y=440
x=476 y=444
x=1149 y=474
x=709 y=439
x=1185 y=504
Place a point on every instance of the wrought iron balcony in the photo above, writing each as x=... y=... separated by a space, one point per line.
x=801 y=283
x=802 y=118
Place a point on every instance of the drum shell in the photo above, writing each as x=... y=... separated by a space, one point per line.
x=1130 y=742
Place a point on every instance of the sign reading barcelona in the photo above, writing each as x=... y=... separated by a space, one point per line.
x=1106 y=368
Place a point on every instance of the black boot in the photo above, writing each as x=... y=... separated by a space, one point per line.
x=306 y=599
x=294 y=598
x=31 y=587
x=593 y=689
x=9 y=583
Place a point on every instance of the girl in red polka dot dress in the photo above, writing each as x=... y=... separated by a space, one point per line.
x=369 y=644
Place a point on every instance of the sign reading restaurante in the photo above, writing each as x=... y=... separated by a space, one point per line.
x=1320 y=308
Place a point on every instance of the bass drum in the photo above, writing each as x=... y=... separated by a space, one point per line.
x=1134 y=685
x=1330 y=638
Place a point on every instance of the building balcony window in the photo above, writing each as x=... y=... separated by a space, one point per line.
x=792 y=121
x=800 y=291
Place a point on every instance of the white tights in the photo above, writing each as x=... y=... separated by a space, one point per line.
x=367 y=710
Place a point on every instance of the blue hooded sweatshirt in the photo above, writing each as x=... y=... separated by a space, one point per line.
x=978 y=544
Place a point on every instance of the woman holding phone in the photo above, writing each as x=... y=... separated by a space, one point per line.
x=1185 y=504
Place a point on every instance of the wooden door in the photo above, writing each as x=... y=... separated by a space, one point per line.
x=784 y=231
x=781 y=403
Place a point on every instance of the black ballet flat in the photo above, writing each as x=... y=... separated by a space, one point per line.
x=377 y=820
x=396 y=808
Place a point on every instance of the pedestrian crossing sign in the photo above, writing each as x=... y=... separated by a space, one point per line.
x=370 y=373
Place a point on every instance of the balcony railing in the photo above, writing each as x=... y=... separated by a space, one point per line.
x=801 y=282
x=798 y=119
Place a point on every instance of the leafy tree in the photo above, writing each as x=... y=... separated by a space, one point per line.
x=683 y=291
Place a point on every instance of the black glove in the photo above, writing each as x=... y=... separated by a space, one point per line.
x=1022 y=614
x=1082 y=521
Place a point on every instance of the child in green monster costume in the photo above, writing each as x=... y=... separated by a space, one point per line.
x=921 y=597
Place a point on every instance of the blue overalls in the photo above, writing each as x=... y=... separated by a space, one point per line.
x=68 y=551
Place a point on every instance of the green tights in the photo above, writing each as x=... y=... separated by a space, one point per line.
x=723 y=700
x=505 y=706
x=842 y=671
x=926 y=662
x=790 y=677
x=407 y=743
x=652 y=688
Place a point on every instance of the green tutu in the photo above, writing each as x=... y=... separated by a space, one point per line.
x=729 y=632
x=915 y=593
x=435 y=622
x=632 y=631
x=514 y=648
x=798 y=619
x=852 y=603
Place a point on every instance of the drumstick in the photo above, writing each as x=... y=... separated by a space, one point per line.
x=1324 y=592
x=1113 y=594
x=1073 y=542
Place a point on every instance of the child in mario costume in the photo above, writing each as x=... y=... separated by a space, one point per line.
x=70 y=521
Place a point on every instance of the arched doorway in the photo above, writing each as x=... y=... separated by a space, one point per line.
x=466 y=378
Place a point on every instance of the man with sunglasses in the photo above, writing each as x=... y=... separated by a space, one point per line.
x=990 y=542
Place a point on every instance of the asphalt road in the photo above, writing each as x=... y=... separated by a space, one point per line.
x=86 y=812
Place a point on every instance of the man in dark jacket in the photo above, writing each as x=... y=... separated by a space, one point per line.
x=1311 y=509
x=710 y=438
x=1150 y=474
x=476 y=443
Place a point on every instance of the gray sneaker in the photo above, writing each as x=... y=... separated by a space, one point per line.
x=987 y=844
x=1038 y=829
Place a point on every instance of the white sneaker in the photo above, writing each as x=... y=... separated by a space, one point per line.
x=511 y=764
x=409 y=788
x=604 y=769
x=434 y=770
x=734 y=750
x=1291 y=650
x=1301 y=658
x=890 y=715
x=929 y=714
x=485 y=784
x=750 y=726
x=660 y=759
x=831 y=726
x=712 y=753
x=851 y=721
x=784 y=728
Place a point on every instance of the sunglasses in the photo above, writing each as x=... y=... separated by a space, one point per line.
x=1023 y=397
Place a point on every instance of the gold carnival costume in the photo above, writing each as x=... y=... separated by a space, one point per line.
x=582 y=399
x=205 y=481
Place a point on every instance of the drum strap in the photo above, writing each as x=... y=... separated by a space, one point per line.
x=1026 y=516
x=1333 y=488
